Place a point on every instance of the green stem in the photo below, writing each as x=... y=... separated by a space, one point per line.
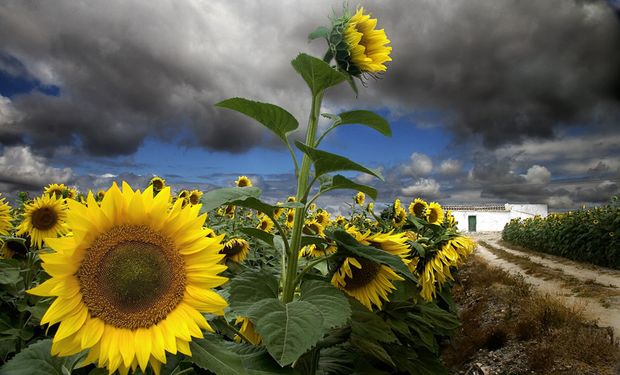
x=300 y=213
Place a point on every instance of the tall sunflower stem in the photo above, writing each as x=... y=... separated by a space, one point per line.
x=300 y=213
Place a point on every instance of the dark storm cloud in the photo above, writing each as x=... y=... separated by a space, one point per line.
x=507 y=70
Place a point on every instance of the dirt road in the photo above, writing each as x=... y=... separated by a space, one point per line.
x=595 y=289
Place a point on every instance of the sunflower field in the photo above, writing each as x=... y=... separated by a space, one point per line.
x=150 y=281
x=587 y=235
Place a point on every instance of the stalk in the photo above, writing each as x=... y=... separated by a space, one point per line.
x=300 y=213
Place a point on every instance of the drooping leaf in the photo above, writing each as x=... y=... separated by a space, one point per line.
x=325 y=162
x=362 y=117
x=317 y=73
x=366 y=323
x=372 y=348
x=340 y=182
x=288 y=330
x=36 y=359
x=274 y=118
x=345 y=240
x=216 y=198
x=332 y=304
x=250 y=287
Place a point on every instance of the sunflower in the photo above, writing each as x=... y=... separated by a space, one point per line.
x=366 y=281
x=291 y=199
x=317 y=251
x=360 y=198
x=437 y=269
x=357 y=46
x=397 y=205
x=158 y=183
x=312 y=207
x=58 y=190
x=44 y=217
x=418 y=208
x=313 y=228
x=370 y=208
x=400 y=217
x=230 y=211
x=290 y=218
x=278 y=211
x=183 y=194
x=243 y=181
x=340 y=220
x=265 y=224
x=236 y=249
x=5 y=217
x=134 y=280
x=322 y=217
x=449 y=219
x=435 y=213
x=72 y=193
x=100 y=194
x=395 y=244
x=248 y=331
x=195 y=196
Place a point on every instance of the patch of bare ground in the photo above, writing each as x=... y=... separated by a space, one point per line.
x=510 y=328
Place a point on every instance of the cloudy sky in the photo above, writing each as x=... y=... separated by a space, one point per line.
x=489 y=101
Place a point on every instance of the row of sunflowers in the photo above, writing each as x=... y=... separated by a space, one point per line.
x=588 y=235
x=128 y=279
x=223 y=282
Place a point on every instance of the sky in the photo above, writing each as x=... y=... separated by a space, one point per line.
x=489 y=101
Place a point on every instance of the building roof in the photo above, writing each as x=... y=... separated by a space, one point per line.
x=476 y=207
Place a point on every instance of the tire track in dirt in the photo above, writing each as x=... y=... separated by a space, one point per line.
x=607 y=314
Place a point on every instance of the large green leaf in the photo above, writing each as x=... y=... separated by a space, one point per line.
x=317 y=73
x=216 y=198
x=255 y=204
x=340 y=182
x=37 y=360
x=288 y=330
x=345 y=240
x=210 y=354
x=250 y=287
x=9 y=272
x=325 y=162
x=333 y=305
x=366 y=323
x=257 y=360
x=274 y=118
x=362 y=117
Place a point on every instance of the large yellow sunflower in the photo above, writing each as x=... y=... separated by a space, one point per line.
x=134 y=280
x=5 y=217
x=236 y=249
x=44 y=217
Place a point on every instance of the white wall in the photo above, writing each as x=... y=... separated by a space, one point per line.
x=494 y=221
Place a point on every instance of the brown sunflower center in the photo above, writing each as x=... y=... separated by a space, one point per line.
x=132 y=277
x=312 y=229
x=433 y=216
x=418 y=209
x=194 y=199
x=158 y=185
x=242 y=182
x=361 y=277
x=44 y=218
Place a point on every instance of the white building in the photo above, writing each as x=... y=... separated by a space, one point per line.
x=491 y=218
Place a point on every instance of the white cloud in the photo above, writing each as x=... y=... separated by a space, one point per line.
x=425 y=187
x=419 y=165
x=450 y=167
x=8 y=113
x=20 y=169
x=537 y=174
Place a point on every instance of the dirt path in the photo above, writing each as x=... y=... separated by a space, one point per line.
x=595 y=288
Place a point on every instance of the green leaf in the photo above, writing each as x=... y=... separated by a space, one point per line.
x=249 y=288
x=211 y=355
x=9 y=272
x=317 y=73
x=291 y=205
x=288 y=331
x=257 y=360
x=362 y=117
x=255 y=204
x=36 y=359
x=216 y=198
x=320 y=32
x=312 y=240
x=340 y=182
x=274 y=118
x=259 y=235
x=372 y=348
x=365 y=323
x=325 y=162
x=333 y=305
x=345 y=240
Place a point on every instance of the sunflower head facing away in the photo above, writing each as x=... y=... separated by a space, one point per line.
x=44 y=217
x=134 y=280
x=5 y=217
x=357 y=46
x=243 y=181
